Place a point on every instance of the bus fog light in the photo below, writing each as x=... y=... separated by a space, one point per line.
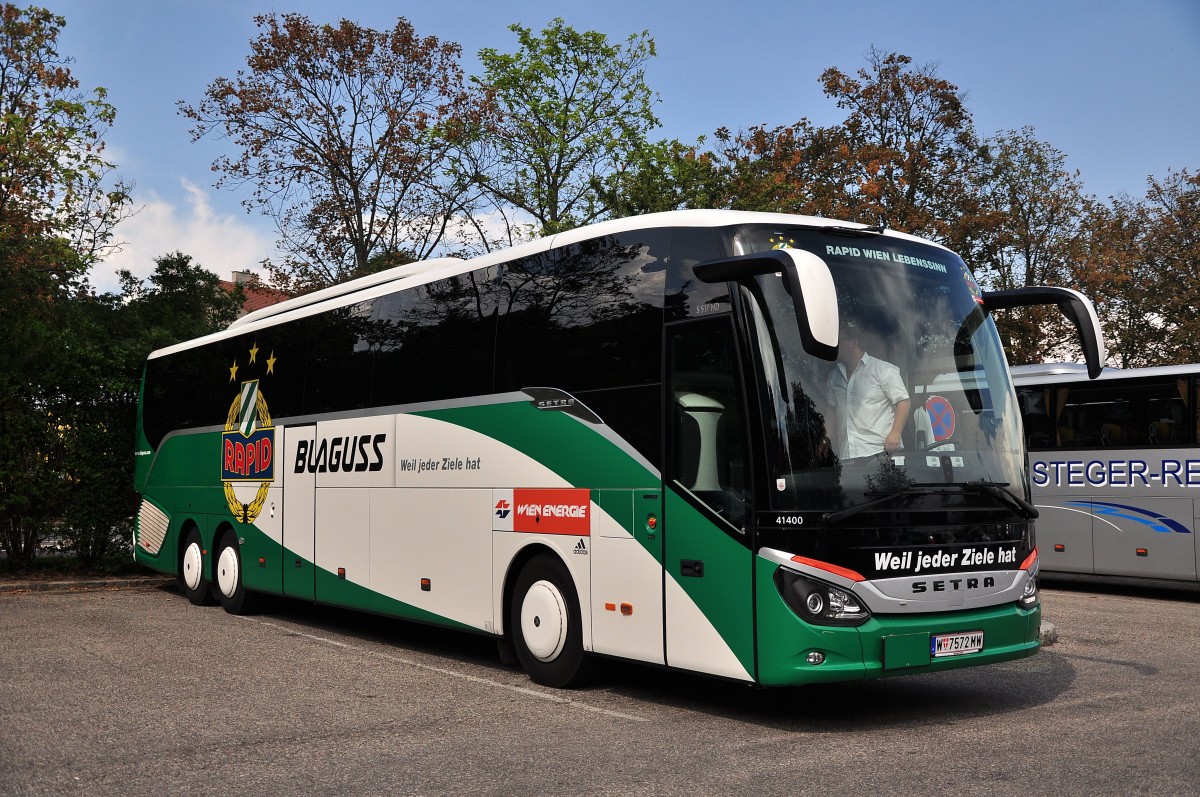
x=816 y=657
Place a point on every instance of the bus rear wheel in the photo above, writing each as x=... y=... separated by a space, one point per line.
x=545 y=625
x=191 y=579
x=229 y=589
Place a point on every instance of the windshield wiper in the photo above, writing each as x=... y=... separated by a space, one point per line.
x=856 y=232
x=994 y=489
x=837 y=517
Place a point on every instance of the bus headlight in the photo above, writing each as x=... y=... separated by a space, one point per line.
x=818 y=602
x=1030 y=595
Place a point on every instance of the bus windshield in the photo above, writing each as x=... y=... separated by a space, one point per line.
x=915 y=342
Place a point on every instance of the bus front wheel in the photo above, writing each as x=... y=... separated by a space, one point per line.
x=230 y=590
x=545 y=624
x=191 y=579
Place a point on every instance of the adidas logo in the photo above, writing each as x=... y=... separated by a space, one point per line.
x=581 y=549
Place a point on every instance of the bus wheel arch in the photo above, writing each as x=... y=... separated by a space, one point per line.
x=544 y=619
x=228 y=585
x=190 y=573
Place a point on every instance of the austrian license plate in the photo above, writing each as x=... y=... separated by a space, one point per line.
x=956 y=644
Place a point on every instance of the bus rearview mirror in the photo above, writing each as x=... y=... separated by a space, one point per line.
x=1077 y=308
x=806 y=277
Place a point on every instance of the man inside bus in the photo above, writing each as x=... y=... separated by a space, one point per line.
x=869 y=397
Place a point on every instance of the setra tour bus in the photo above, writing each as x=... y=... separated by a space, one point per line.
x=1115 y=471
x=618 y=441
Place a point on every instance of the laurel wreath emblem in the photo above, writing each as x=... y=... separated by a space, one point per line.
x=246 y=513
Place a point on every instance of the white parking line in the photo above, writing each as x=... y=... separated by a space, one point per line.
x=553 y=698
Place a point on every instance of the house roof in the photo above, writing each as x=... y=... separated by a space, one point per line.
x=257 y=295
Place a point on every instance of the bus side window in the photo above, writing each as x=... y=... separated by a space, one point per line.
x=1037 y=419
x=707 y=448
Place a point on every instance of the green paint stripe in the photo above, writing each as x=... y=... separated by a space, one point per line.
x=564 y=445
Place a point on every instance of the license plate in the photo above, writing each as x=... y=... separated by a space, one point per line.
x=956 y=644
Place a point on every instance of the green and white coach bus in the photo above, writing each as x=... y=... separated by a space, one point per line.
x=617 y=442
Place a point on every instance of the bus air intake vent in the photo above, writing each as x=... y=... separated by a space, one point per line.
x=152 y=527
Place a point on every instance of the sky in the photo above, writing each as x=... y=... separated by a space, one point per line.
x=1112 y=85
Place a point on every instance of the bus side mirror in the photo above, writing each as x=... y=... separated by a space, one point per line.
x=1071 y=303
x=806 y=277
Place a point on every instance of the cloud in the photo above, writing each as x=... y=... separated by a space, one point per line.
x=220 y=242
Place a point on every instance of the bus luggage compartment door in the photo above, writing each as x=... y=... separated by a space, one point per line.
x=1148 y=537
x=626 y=567
x=299 y=515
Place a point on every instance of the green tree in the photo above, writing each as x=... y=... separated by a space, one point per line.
x=666 y=175
x=56 y=219
x=1171 y=250
x=573 y=111
x=904 y=145
x=33 y=364
x=1022 y=228
x=53 y=176
x=1109 y=268
x=790 y=169
x=900 y=155
x=110 y=337
x=346 y=134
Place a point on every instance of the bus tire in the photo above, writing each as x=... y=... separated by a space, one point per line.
x=228 y=585
x=545 y=624
x=191 y=579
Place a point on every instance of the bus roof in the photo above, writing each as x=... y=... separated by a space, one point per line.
x=384 y=282
x=1054 y=373
x=343 y=288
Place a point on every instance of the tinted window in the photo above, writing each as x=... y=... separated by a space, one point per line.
x=433 y=342
x=1138 y=413
x=337 y=364
x=585 y=317
x=687 y=296
x=707 y=455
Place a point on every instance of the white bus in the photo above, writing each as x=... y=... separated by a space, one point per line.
x=1115 y=468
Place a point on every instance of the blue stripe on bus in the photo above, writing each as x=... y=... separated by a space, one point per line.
x=1154 y=520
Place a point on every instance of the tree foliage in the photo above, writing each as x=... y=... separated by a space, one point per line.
x=53 y=176
x=56 y=219
x=666 y=175
x=1137 y=261
x=367 y=148
x=1171 y=252
x=903 y=146
x=573 y=112
x=345 y=134
x=66 y=465
x=1022 y=227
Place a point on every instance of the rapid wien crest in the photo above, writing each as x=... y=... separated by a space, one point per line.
x=248 y=445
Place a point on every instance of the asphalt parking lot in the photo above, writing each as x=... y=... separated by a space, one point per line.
x=132 y=690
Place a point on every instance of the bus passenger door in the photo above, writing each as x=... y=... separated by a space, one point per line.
x=708 y=558
x=299 y=512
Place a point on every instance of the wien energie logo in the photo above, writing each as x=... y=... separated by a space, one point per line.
x=248 y=446
x=543 y=511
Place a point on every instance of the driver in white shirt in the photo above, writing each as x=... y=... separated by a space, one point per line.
x=870 y=398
